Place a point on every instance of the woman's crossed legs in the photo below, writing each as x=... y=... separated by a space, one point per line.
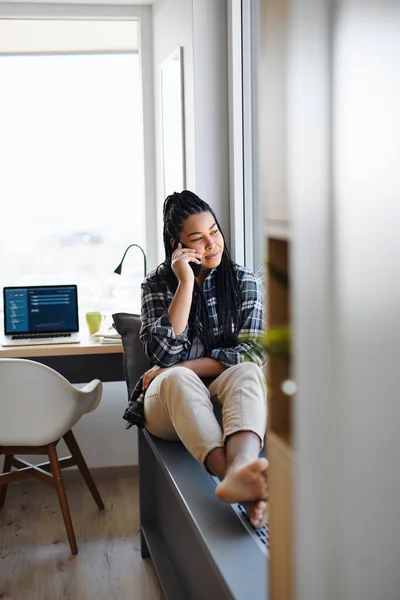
x=178 y=406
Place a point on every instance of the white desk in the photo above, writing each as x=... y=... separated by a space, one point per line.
x=79 y=363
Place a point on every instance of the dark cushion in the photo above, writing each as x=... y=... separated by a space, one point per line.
x=135 y=361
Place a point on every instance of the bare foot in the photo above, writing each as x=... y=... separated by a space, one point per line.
x=244 y=482
x=257 y=512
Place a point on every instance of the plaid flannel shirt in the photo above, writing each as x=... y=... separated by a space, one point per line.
x=164 y=348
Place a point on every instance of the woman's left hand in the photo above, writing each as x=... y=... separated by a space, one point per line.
x=150 y=375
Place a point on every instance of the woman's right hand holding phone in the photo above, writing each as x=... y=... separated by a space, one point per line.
x=182 y=257
x=179 y=309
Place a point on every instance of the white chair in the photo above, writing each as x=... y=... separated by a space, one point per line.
x=38 y=407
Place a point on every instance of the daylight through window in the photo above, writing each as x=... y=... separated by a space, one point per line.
x=72 y=167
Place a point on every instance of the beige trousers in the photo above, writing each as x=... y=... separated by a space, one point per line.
x=178 y=406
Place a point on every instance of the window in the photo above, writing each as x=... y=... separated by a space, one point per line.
x=246 y=209
x=71 y=156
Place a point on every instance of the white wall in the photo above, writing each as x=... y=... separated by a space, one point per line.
x=172 y=27
x=210 y=54
x=102 y=436
x=200 y=27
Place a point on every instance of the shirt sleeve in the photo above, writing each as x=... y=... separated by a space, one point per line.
x=251 y=329
x=162 y=347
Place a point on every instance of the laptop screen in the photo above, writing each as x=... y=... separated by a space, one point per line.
x=40 y=309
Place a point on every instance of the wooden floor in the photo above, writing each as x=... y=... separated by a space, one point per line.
x=35 y=560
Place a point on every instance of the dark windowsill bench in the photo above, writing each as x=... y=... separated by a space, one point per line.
x=200 y=547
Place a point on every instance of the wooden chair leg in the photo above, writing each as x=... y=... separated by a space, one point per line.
x=55 y=467
x=3 y=488
x=73 y=447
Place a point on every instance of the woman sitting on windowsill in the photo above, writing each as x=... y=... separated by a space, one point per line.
x=199 y=330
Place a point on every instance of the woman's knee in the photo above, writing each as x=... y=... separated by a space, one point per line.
x=251 y=371
x=248 y=367
x=176 y=375
x=178 y=382
x=178 y=388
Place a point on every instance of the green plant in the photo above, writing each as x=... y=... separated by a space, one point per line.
x=276 y=340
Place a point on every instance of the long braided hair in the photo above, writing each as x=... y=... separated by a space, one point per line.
x=177 y=208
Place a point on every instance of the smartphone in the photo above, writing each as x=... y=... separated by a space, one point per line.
x=194 y=266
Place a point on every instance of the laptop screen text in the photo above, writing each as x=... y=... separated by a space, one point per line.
x=40 y=310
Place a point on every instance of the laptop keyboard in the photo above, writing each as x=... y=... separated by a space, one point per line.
x=37 y=336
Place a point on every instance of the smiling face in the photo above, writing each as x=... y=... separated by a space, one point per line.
x=201 y=233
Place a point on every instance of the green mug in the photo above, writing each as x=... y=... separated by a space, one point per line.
x=93 y=320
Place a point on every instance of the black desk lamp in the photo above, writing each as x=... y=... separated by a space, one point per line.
x=119 y=268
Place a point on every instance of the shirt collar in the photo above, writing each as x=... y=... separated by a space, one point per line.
x=209 y=278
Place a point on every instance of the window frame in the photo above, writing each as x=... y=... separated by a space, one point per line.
x=245 y=204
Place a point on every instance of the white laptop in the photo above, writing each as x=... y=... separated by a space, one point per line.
x=46 y=314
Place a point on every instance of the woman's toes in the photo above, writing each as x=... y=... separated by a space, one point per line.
x=256 y=520
x=258 y=516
